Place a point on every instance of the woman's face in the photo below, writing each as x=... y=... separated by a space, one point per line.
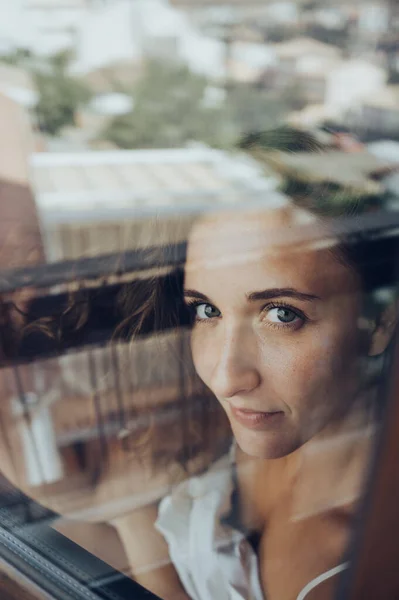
x=275 y=334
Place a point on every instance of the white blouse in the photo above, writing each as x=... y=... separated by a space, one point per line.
x=214 y=561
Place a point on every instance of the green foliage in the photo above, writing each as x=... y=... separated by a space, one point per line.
x=328 y=199
x=306 y=189
x=284 y=138
x=393 y=77
x=168 y=112
x=278 y=33
x=293 y=97
x=336 y=37
x=60 y=95
x=250 y=109
x=17 y=57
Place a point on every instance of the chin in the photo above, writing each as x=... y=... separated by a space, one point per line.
x=267 y=446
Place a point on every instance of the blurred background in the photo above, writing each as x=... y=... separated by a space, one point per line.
x=117 y=112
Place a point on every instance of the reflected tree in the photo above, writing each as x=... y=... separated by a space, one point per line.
x=60 y=94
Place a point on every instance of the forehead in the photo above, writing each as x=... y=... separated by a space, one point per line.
x=234 y=232
x=286 y=247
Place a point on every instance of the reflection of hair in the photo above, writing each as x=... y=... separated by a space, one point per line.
x=154 y=305
x=372 y=258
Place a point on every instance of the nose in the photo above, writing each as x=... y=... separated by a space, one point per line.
x=236 y=370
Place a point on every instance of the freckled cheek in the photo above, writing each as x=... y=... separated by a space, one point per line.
x=296 y=370
x=204 y=350
x=286 y=368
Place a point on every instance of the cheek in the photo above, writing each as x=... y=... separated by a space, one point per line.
x=315 y=369
x=204 y=352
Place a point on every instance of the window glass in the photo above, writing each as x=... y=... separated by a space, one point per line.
x=198 y=292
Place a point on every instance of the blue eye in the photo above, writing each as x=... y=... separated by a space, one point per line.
x=206 y=311
x=281 y=314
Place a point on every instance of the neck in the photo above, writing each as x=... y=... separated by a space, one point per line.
x=324 y=474
x=330 y=468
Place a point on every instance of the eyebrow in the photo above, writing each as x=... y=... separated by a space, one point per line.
x=262 y=295
x=195 y=294
x=278 y=292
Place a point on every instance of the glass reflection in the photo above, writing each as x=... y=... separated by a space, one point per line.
x=198 y=291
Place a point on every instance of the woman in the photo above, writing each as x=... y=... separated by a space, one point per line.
x=285 y=330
